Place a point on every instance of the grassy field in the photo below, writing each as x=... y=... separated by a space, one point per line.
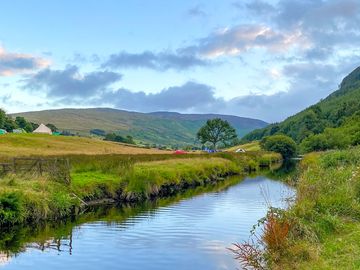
x=47 y=145
x=324 y=220
x=118 y=177
x=251 y=146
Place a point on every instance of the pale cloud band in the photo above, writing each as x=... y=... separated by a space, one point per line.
x=17 y=63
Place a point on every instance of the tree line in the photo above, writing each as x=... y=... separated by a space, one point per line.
x=9 y=124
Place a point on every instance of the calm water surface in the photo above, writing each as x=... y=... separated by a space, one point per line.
x=190 y=231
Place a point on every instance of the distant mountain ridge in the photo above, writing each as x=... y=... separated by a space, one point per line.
x=156 y=127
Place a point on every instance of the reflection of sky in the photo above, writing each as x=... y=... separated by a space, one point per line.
x=191 y=234
x=4 y=259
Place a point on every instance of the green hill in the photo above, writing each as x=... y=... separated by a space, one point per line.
x=159 y=127
x=332 y=123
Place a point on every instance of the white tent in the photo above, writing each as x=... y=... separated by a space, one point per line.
x=42 y=129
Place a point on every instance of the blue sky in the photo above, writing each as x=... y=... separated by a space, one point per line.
x=260 y=59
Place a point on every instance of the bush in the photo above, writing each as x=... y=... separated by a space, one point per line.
x=280 y=144
x=11 y=209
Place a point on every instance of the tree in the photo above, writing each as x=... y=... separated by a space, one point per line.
x=52 y=127
x=2 y=118
x=130 y=139
x=10 y=124
x=282 y=144
x=215 y=131
x=20 y=121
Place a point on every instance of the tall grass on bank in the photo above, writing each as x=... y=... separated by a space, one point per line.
x=321 y=228
x=13 y=240
x=117 y=177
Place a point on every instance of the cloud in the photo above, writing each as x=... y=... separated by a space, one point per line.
x=197 y=11
x=193 y=97
x=258 y=7
x=314 y=28
x=241 y=38
x=308 y=84
x=16 y=63
x=158 y=61
x=188 y=96
x=305 y=87
x=328 y=26
x=70 y=82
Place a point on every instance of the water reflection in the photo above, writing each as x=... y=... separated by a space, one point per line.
x=187 y=231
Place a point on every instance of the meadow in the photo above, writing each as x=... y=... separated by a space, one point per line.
x=114 y=177
x=45 y=145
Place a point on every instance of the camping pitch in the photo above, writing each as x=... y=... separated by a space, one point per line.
x=42 y=129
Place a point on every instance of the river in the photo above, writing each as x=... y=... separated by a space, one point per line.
x=189 y=231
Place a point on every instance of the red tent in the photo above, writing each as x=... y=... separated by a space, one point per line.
x=180 y=152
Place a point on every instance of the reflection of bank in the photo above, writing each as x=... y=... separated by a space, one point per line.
x=58 y=244
x=4 y=258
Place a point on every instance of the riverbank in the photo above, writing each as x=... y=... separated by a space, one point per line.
x=15 y=238
x=324 y=228
x=122 y=178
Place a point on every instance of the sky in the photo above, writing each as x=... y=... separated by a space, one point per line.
x=254 y=58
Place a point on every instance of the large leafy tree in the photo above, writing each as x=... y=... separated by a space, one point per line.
x=215 y=131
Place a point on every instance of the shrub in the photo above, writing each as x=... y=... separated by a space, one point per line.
x=280 y=144
x=11 y=209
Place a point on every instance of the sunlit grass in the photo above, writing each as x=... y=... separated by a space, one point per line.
x=116 y=177
x=46 y=145
x=325 y=218
x=251 y=146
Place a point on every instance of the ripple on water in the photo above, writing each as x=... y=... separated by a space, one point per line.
x=190 y=234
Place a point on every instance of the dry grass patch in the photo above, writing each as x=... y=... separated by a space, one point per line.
x=46 y=145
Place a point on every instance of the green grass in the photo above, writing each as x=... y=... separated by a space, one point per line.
x=251 y=146
x=325 y=218
x=147 y=177
x=120 y=177
x=13 y=240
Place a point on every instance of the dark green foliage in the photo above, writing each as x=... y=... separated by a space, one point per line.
x=11 y=209
x=9 y=125
x=21 y=122
x=130 y=139
x=3 y=118
x=348 y=134
x=280 y=144
x=118 y=138
x=6 y=122
x=215 y=131
x=336 y=111
x=52 y=127
x=27 y=126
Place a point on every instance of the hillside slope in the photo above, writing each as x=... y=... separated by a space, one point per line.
x=339 y=110
x=158 y=127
